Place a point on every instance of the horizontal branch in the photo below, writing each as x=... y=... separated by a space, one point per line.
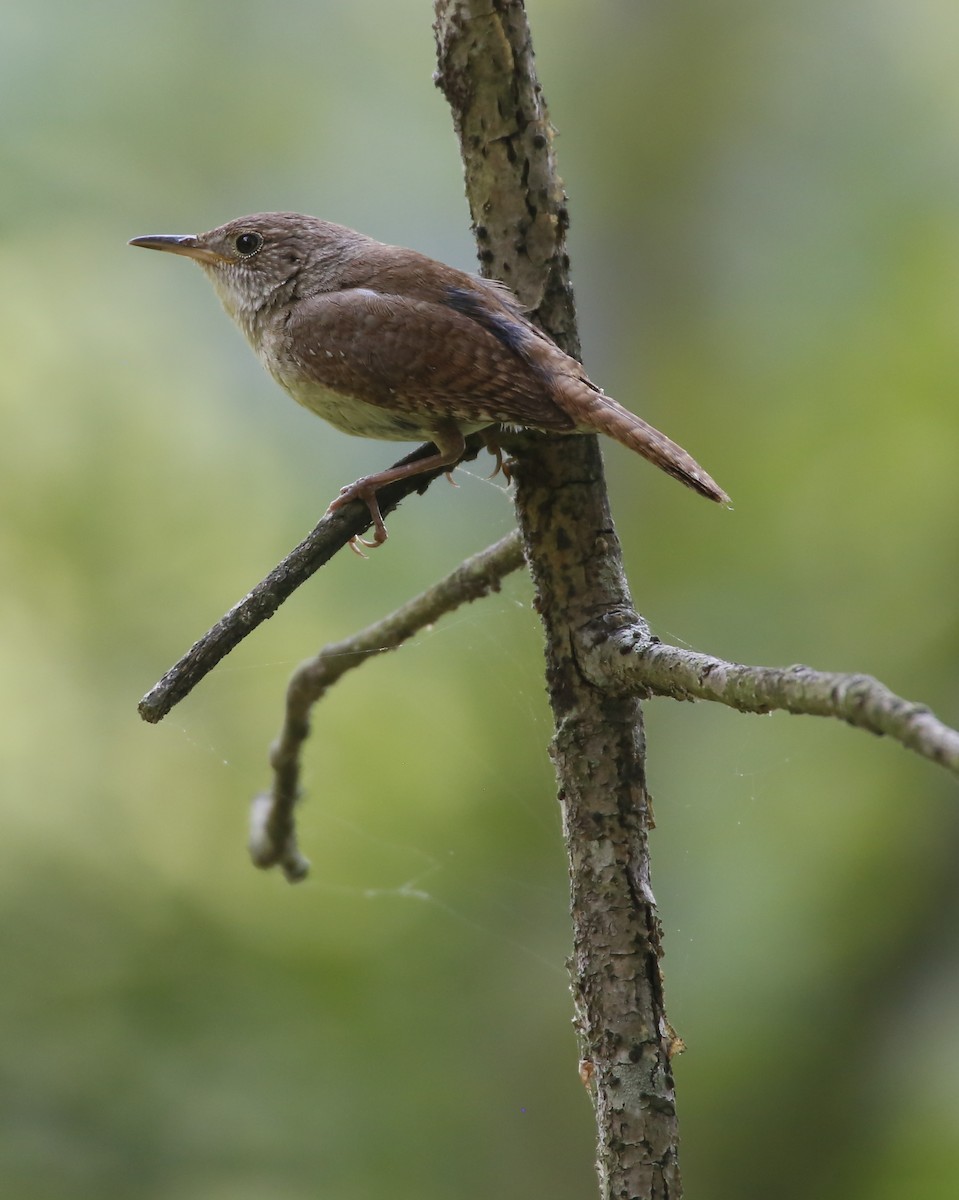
x=273 y=829
x=334 y=531
x=628 y=659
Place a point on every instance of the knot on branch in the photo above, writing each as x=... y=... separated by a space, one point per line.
x=611 y=635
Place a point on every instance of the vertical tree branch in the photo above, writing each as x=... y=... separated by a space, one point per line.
x=518 y=207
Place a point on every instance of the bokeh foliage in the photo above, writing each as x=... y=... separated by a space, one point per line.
x=765 y=204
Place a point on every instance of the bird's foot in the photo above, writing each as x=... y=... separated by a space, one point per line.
x=361 y=490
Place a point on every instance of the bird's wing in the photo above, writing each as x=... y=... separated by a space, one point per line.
x=411 y=355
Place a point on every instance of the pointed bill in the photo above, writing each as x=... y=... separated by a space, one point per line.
x=187 y=244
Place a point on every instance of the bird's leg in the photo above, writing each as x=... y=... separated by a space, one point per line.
x=449 y=443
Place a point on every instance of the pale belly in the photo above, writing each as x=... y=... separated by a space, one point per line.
x=367 y=420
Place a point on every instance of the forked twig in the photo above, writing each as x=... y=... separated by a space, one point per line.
x=272 y=826
x=621 y=659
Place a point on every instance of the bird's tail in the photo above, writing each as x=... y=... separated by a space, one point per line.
x=592 y=409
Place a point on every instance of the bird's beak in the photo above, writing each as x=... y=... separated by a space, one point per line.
x=180 y=243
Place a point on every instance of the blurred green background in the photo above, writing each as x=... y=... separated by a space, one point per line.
x=765 y=242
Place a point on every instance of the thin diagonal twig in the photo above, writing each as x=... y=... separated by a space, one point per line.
x=258 y=605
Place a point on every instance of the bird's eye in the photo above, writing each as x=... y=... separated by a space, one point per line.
x=247 y=244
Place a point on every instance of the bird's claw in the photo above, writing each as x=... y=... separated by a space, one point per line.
x=502 y=466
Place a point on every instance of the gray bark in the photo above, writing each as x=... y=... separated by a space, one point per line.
x=518 y=208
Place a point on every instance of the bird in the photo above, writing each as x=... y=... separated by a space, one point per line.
x=384 y=342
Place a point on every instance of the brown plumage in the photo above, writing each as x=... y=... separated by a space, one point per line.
x=387 y=343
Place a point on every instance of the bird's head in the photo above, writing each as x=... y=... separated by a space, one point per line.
x=259 y=262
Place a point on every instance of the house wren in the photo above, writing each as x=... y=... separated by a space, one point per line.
x=386 y=343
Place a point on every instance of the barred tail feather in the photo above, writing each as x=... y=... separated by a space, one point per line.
x=593 y=410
